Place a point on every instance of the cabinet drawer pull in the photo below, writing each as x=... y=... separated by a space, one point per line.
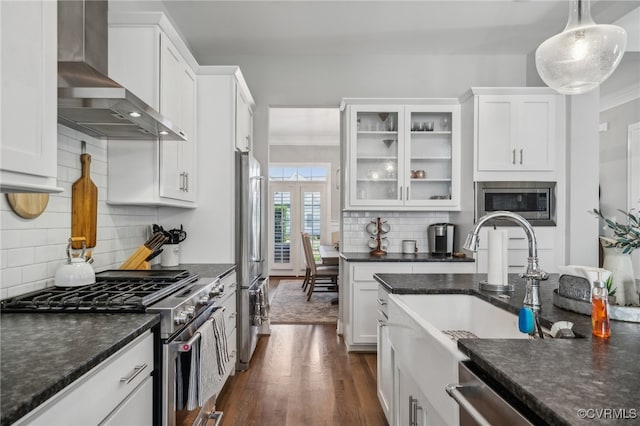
x=233 y=315
x=136 y=371
x=381 y=302
x=516 y=238
x=382 y=323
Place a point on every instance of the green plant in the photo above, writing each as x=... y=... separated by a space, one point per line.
x=625 y=236
x=610 y=291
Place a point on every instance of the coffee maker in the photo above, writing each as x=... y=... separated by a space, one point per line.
x=440 y=237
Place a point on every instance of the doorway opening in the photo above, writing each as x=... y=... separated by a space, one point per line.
x=297 y=203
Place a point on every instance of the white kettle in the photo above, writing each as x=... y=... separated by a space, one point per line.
x=76 y=272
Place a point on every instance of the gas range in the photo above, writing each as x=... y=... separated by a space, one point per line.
x=114 y=291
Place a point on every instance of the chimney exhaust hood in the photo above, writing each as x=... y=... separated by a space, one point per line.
x=88 y=100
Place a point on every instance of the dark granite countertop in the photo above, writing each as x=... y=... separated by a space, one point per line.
x=556 y=378
x=401 y=257
x=42 y=353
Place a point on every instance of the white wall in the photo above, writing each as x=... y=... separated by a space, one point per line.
x=613 y=163
x=582 y=178
x=32 y=249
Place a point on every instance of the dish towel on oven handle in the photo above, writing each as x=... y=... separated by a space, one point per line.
x=213 y=361
x=194 y=376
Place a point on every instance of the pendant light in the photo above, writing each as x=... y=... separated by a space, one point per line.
x=583 y=55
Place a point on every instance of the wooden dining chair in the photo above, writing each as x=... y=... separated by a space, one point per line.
x=327 y=275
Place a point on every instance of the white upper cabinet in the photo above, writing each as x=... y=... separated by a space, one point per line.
x=143 y=56
x=28 y=126
x=518 y=131
x=402 y=156
x=244 y=120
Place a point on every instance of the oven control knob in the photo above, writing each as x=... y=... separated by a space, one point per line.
x=216 y=291
x=203 y=300
x=181 y=318
x=190 y=311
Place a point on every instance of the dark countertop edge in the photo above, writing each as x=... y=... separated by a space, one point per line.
x=401 y=257
x=14 y=414
x=223 y=269
x=532 y=402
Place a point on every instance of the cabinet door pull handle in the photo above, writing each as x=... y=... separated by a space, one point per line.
x=382 y=323
x=407 y=192
x=186 y=182
x=521 y=150
x=338 y=179
x=401 y=194
x=136 y=371
x=514 y=156
x=381 y=302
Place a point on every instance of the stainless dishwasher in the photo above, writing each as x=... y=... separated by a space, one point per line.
x=481 y=405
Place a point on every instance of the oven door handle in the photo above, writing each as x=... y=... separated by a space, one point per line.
x=186 y=346
x=454 y=392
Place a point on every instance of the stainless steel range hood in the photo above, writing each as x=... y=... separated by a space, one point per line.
x=88 y=100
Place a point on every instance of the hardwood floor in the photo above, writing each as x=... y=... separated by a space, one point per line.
x=303 y=375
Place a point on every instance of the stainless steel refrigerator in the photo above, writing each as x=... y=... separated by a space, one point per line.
x=253 y=298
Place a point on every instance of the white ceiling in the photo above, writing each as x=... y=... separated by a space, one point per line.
x=305 y=27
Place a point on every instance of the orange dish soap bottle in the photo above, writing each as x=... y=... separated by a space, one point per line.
x=600 y=309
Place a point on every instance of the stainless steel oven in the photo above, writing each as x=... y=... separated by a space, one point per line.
x=535 y=201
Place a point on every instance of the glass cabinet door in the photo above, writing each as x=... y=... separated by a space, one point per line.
x=376 y=156
x=429 y=156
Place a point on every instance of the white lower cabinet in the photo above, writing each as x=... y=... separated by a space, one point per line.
x=117 y=391
x=129 y=412
x=359 y=315
x=386 y=356
x=419 y=383
x=413 y=408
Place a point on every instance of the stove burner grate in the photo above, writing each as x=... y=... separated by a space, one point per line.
x=133 y=295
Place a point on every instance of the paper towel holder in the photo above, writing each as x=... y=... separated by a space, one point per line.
x=498 y=288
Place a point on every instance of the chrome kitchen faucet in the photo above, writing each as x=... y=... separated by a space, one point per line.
x=534 y=274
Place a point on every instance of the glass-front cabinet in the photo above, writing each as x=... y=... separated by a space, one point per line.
x=403 y=156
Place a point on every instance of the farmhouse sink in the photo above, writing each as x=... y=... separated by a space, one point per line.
x=461 y=312
x=422 y=329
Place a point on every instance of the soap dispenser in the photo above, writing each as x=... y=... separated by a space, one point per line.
x=600 y=309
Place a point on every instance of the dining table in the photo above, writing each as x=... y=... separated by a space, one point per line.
x=329 y=254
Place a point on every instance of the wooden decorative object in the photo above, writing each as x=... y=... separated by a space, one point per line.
x=84 y=205
x=28 y=205
x=378 y=250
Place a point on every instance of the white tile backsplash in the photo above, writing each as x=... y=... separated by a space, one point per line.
x=404 y=226
x=32 y=250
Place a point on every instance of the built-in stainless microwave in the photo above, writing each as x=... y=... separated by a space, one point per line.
x=535 y=201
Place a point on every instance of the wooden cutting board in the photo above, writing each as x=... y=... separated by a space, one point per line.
x=28 y=205
x=84 y=206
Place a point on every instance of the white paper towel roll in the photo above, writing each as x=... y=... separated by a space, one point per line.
x=498 y=241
